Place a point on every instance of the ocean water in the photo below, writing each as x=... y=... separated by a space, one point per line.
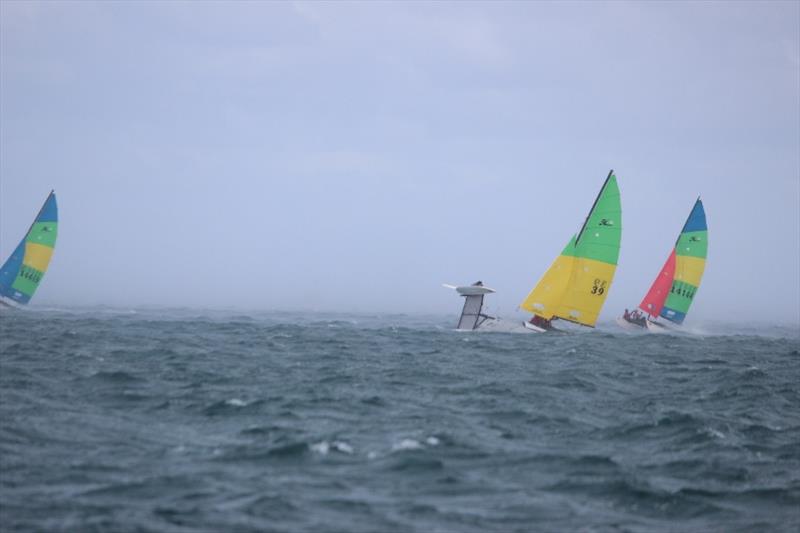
x=181 y=420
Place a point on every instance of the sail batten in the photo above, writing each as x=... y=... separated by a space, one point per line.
x=24 y=269
x=576 y=285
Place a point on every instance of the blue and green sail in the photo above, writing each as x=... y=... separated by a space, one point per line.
x=690 y=252
x=23 y=271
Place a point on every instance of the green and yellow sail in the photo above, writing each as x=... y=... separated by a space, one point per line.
x=22 y=272
x=576 y=285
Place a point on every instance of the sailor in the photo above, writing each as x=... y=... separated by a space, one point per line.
x=627 y=315
x=540 y=321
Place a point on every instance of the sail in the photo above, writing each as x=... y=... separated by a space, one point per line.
x=543 y=300
x=577 y=283
x=691 y=250
x=22 y=272
x=471 y=314
x=653 y=301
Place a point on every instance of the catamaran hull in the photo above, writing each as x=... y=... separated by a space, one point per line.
x=8 y=303
x=499 y=325
x=657 y=327
x=535 y=329
x=628 y=325
x=648 y=325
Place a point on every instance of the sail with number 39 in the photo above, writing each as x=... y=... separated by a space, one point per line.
x=576 y=285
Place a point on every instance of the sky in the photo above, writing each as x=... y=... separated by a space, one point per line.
x=338 y=156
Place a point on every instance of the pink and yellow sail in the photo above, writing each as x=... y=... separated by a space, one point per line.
x=576 y=285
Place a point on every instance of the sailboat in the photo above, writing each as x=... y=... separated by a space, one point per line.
x=675 y=286
x=576 y=285
x=472 y=315
x=22 y=272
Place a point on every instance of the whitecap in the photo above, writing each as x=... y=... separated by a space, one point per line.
x=236 y=402
x=321 y=448
x=407 y=444
x=432 y=441
x=341 y=446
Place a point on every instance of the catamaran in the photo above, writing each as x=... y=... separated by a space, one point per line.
x=22 y=272
x=472 y=315
x=576 y=285
x=675 y=286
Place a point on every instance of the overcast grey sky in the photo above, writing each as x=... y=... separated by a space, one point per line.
x=356 y=155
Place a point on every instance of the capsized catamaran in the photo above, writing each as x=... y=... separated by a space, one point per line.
x=674 y=288
x=472 y=316
x=22 y=272
x=576 y=285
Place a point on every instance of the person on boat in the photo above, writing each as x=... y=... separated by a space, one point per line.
x=541 y=322
x=636 y=317
x=626 y=315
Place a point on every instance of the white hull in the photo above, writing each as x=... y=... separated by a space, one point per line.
x=469 y=290
x=649 y=326
x=628 y=326
x=6 y=303
x=500 y=325
x=531 y=327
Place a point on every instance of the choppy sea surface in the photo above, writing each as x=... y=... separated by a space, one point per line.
x=181 y=420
